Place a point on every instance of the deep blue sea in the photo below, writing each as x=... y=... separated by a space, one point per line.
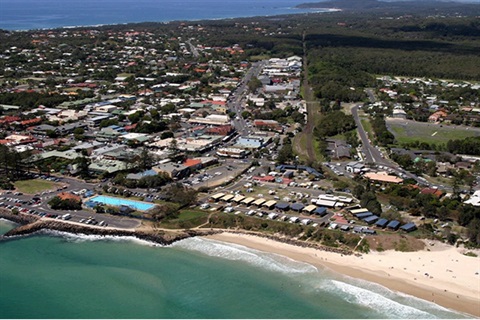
x=39 y=14
x=67 y=276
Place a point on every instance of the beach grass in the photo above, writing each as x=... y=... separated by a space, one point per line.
x=189 y=218
x=33 y=186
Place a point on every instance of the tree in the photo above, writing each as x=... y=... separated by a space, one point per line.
x=78 y=133
x=254 y=84
x=82 y=165
x=145 y=160
x=57 y=203
x=173 y=149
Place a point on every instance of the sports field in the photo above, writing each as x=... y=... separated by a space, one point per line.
x=34 y=186
x=406 y=131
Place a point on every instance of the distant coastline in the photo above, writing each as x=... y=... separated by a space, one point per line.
x=18 y=16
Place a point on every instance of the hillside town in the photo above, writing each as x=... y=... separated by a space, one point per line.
x=109 y=116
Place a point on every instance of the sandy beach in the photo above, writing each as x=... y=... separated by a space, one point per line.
x=440 y=273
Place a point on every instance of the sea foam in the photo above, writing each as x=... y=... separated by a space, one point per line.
x=235 y=252
x=384 y=302
x=79 y=238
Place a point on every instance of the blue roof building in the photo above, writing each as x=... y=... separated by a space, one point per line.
x=321 y=211
x=297 y=206
x=394 y=224
x=382 y=223
x=363 y=215
x=282 y=206
x=370 y=219
x=409 y=227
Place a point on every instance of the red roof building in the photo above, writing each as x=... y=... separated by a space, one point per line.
x=433 y=191
x=69 y=196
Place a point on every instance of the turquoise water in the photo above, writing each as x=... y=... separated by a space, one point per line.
x=113 y=201
x=65 y=276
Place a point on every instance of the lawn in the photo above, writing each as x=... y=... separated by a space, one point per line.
x=367 y=127
x=186 y=219
x=34 y=186
x=411 y=131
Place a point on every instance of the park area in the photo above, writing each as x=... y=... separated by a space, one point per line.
x=407 y=131
x=34 y=186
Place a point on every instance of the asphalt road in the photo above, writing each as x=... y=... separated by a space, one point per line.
x=238 y=100
x=374 y=156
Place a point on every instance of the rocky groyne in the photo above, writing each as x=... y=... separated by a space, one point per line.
x=31 y=224
x=17 y=218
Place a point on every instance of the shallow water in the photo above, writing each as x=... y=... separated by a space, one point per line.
x=59 y=275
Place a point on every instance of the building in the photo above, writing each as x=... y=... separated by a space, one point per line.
x=267 y=125
x=69 y=196
x=173 y=170
x=251 y=143
x=382 y=177
x=437 y=116
x=213 y=119
x=409 y=227
x=232 y=152
x=399 y=114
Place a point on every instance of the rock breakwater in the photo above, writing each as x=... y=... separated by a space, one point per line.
x=32 y=224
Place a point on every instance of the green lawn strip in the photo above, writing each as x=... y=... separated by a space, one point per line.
x=300 y=146
x=34 y=186
x=187 y=219
x=367 y=127
x=316 y=149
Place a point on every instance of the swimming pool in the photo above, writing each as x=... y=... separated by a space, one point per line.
x=113 y=201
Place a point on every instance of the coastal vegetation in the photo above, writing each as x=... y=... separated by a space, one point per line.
x=59 y=203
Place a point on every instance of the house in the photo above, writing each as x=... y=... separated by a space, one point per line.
x=399 y=114
x=437 y=116
x=393 y=225
x=409 y=227
x=297 y=206
x=433 y=191
x=382 y=223
x=354 y=167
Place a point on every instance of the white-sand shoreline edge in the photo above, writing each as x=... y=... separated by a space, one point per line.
x=440 y=274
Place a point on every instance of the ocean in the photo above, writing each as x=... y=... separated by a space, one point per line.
x=58 y=275
x=45 y=14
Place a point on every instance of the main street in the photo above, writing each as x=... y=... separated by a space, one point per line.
x=237 y=102
x=374 y=157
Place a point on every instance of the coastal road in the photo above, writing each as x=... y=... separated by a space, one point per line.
x=374 y=157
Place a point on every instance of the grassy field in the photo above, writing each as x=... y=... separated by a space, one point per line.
x=299 y=144
x=411 y=131
x=187 y=219
x=34 y=186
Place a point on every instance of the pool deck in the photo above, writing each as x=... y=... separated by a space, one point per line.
x=127 y=202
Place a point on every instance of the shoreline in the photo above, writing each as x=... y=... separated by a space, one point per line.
x=114 y=24
x=452 y=283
